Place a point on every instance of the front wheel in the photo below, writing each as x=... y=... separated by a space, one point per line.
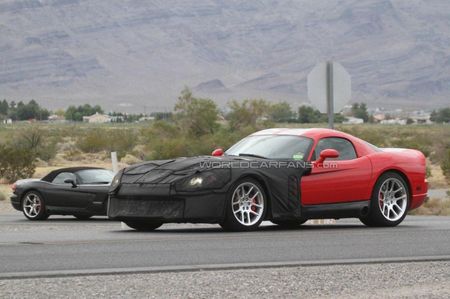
x=246 y=206
x=33 y=206
x=390 y=201
x=145 y=226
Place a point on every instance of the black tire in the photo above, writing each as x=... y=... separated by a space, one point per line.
x=376 y=217
x=289 y=224
x=145 y=226
x=231 y=223
x=33 y=206
x=82 y=216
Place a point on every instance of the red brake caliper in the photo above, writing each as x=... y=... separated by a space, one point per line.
x=253 y=207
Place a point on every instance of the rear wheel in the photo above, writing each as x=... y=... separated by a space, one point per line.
x=246 y=206
x=390 y=201
x=289 y=224
x=144 y=225
x=33 y=206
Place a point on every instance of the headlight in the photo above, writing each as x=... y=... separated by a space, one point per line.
x=196 y=181
x=115 y=183
x=211 y=179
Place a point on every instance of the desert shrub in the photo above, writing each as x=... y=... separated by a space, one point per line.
x=97 y=140
x=395 y=136
x=434 y=206
x=93 y=141
x=196 y=116
x=130 y=159
x=445 y=165
x=246 y=113
x=38 y=141
x=376 y=137
x=412 y=143
x=16 y=163
x=72 y=154
x=428 y=173
x=163 y=140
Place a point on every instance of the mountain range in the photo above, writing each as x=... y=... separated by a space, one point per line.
x=135 y=55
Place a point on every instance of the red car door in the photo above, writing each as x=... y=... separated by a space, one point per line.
x=343 y=179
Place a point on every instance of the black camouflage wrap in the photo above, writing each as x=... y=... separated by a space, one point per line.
x=154 y=189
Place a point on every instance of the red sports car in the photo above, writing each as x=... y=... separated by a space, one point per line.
x=286 y=176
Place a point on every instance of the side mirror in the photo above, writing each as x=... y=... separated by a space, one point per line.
x=70 y=181
x=327 y=154
x=218 y=152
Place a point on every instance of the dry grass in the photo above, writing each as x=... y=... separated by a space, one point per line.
x=437 y=179
x=5 y=191
x=434 y=206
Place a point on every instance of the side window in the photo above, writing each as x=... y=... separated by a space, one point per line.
x=343 y=146
x=59 y=179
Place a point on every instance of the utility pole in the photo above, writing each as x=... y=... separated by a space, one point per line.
x=329 y=88
x=330 y=95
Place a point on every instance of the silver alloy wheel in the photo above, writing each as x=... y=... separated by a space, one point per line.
x=247 y=204
x=32 y=205
x=392 y=199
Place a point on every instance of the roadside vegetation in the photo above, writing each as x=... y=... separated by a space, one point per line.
x=195 y=127
x=433 y=206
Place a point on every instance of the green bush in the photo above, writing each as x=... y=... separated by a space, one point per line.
x=445 y=165
x=246 y=113
x=99 y=139
x=412 y=143
x=38 y=141
x=16 y=163
x=196 y=116
x=164 y=140
x=394 y=136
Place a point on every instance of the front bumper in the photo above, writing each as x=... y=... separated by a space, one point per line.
x=15 y=202
x=161 y=203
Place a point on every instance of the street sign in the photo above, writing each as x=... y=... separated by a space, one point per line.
x=329 y=88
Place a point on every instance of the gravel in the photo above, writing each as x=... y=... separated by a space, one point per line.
x=394 y=280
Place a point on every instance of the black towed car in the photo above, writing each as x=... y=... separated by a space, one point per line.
x=78 y=191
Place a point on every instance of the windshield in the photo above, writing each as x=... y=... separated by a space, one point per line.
x=272 y=147
x=95 y=176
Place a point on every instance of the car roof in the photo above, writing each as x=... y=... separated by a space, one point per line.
x=362 y=148
x=311 y=132
x=49 y=177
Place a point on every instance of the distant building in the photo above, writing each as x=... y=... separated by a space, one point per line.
x=420 y=117
x=378 y=117
x=146 y=118
x=353 y=120
x=97 y=118
x=394 y=121
x=117 y=118
x=56 y=118
x=8 y=121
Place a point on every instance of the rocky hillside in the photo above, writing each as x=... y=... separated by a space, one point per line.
x=134 y=54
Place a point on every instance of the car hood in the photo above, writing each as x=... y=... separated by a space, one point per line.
x=168 y=171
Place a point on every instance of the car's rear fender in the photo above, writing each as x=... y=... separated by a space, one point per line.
x=408 y=163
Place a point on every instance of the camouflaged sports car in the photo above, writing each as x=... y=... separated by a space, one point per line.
x=286 y=176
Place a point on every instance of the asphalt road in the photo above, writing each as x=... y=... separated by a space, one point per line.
x=63 y=245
